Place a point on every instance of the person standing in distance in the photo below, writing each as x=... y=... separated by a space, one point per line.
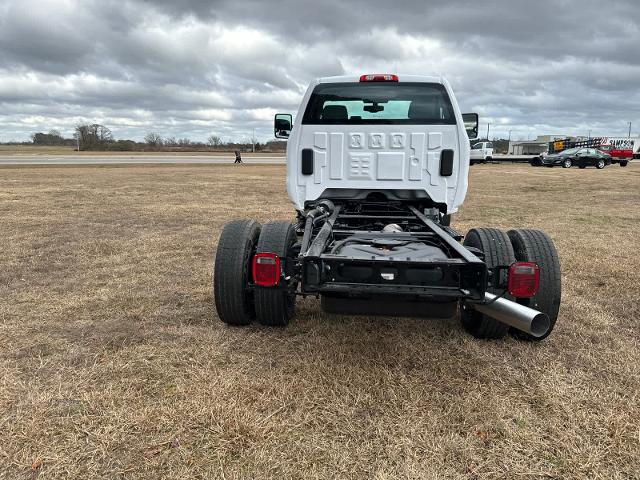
x=238 y=157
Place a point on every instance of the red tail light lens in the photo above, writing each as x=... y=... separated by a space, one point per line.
x=379 y=77
x=266 y=269
x=524 y=279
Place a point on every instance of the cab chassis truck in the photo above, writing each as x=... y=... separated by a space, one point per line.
x=376 y=166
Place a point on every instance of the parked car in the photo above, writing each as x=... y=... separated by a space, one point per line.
x=582 y=157
x=481 y=152
x=618 y=155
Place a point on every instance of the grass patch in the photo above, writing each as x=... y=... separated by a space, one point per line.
x=114 y=364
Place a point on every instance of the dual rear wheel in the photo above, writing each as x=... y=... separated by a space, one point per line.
x=502 y=249
x=237 y=301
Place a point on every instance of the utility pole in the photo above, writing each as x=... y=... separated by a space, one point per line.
x=488 y=125
x=589 y=134
x=253 y=140
x=629 y=129
x=509 y=135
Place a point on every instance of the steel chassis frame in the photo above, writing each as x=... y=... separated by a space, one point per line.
x=462 y=276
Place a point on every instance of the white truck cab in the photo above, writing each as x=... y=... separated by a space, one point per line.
x=402 y=136
x=481 y=152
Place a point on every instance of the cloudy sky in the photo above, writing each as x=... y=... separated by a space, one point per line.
x=195 y=68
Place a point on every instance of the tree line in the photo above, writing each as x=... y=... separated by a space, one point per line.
x=97 y=137
x=53 y=138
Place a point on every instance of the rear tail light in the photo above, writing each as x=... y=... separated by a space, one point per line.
x=379 y=77
x=524 y=279
x=266 y=269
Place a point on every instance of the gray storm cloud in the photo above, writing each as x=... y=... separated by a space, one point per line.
x=193 y=68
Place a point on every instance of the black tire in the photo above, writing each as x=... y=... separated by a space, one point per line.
x=600 y=164
x=582 y=166
x=624 y=163
x=275 y=306
x=567 y=163
x=497 y=249
x=234 y=300
x=536 y=246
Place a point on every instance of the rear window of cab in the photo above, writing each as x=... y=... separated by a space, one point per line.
x=374 y=103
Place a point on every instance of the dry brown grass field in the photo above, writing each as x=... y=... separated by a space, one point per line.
x=114 y=364
x=70 y=151
x=35 y=150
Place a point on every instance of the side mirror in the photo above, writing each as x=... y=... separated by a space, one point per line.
x=282 y=124
x=471 y=122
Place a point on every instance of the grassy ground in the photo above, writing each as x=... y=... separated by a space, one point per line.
x=114 y=365
x=35 y=150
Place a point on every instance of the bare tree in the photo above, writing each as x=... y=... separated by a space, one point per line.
x=153 y=140
x=93 y=137
x=214 y=141
x=103 y=134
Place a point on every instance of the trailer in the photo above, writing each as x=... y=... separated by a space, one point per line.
x=376 y=167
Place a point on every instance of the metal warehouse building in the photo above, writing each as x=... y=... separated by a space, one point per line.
x=533 y=147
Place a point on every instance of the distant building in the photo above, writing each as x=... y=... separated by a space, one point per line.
x=534 y=147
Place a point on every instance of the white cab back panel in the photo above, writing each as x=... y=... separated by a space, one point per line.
x=368 y=157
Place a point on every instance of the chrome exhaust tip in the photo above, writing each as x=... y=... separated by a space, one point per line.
x=518 y=316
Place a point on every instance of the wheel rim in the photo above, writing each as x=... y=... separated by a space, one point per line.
x=600 y=163
x=567 y=163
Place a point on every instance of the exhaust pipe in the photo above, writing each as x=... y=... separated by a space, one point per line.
x=513 y=314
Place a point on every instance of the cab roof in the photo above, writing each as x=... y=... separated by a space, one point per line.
x=401 y=78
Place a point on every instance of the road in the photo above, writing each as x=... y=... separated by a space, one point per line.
x=130 y=159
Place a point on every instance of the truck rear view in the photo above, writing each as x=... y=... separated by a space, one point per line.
x=376 y=166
